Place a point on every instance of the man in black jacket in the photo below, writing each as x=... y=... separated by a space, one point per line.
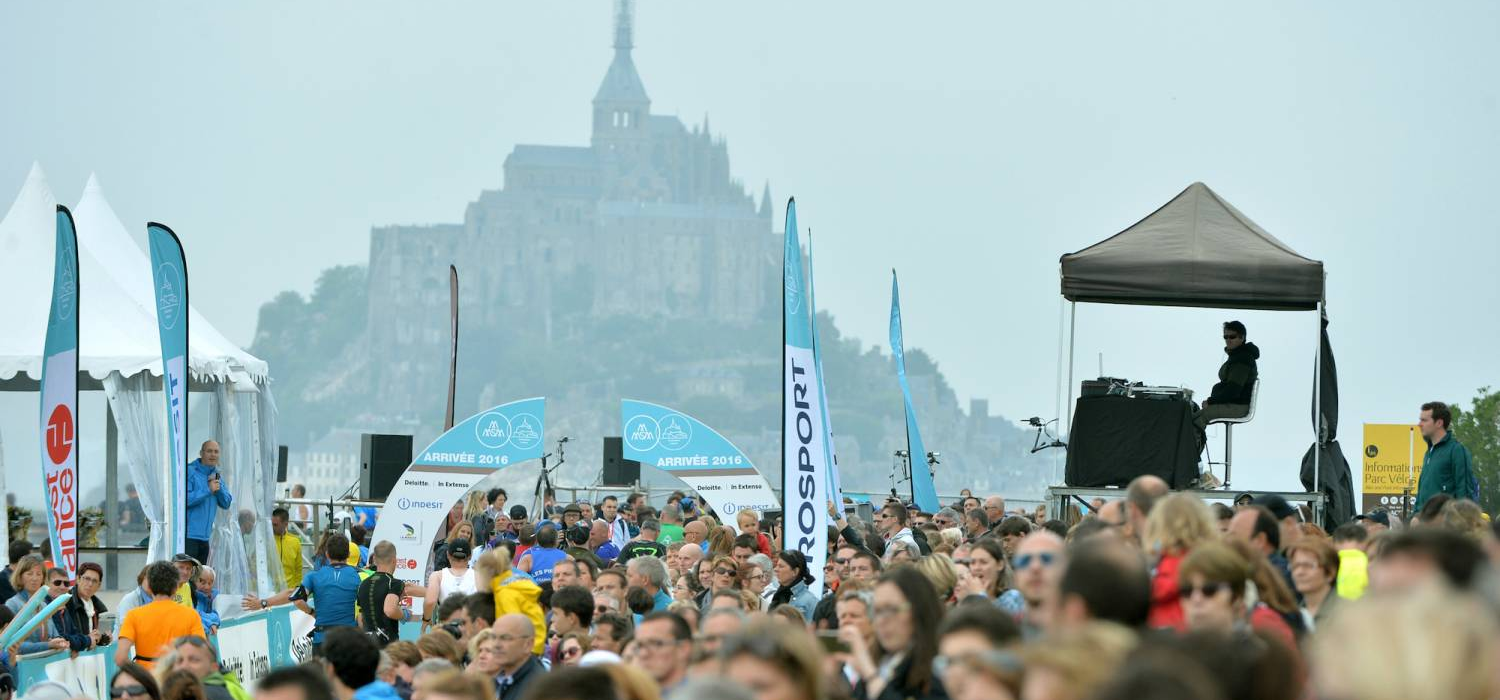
x=1230 y=398
x=518 y=666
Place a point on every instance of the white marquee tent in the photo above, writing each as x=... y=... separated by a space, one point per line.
x=120 y=353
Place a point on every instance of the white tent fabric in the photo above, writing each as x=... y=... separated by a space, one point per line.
x=120 y=347
x=117 y=307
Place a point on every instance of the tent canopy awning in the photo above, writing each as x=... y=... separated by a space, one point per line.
x=117 y=308
x=1196 y=250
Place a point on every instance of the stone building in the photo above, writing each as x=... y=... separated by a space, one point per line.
x=645 y=220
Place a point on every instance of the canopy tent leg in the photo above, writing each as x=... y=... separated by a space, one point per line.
x=1318 y=412
x=111 y=498
x=1072 y=336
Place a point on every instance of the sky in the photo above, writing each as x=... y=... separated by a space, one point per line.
x=969 y=144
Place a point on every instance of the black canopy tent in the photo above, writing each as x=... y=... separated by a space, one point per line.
x=1198 y=250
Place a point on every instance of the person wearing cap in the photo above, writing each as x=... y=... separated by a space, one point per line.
x=188 y=594
x=578 y=540
x=571 y=515
x=1374 y=522
x=1287 y=517
x=1447 y=466
x=457 y=577
x=644 y=544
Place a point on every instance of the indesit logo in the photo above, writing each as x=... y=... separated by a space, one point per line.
x=409 y=504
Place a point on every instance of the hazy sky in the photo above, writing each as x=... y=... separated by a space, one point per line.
x=969 y=143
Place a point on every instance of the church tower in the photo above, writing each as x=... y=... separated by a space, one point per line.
x=621 y=106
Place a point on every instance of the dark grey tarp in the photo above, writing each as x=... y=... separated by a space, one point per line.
x=1331 y=473
x=1196 y=250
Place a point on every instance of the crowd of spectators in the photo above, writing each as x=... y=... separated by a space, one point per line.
x=1154 y=595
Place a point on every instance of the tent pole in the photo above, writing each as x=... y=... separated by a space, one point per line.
x=112 y=497
x=1072 y=335
x=1318 y=411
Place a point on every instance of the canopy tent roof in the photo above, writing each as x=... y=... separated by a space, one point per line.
x=118 y=309
x=1196 y=250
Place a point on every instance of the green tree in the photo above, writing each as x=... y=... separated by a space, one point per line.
x=1478 y=428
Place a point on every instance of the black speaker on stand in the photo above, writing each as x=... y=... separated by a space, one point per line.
x=382 y=458
x=618 y=471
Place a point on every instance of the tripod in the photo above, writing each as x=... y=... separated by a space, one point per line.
x=1043 y=431
x=544 y=480
x=900 y=471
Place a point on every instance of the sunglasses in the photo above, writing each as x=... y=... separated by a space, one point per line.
x=725 y=572
x=59 y=582
x=840 y=561
x=1045 y=558
x=135 y=690
x=1231 y=337
x=1208 y=590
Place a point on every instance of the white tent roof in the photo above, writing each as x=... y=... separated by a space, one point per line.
x=118 y=315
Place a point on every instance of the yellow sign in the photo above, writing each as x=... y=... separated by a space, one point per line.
x=1388 y=454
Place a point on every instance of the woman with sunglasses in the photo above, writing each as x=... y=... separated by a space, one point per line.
x=1212 y=589
x=134 y=682
x=572 y=648
x=716 y=573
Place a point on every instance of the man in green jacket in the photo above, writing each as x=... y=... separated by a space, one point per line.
x=1446 y=468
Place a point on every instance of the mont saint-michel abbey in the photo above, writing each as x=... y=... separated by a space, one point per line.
x=644 y=220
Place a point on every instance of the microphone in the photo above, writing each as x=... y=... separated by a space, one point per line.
x=564 y=439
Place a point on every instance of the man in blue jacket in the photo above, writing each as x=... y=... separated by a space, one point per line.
x=205 y=489
x=1448 y=466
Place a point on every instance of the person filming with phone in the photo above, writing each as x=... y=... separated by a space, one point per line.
x=205 y=489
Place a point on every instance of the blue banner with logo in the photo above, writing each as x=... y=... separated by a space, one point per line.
x=686 y=448
x=443 y=472
x=59 y=401
x=804 y=452
x=923 y=492
x=169 y=277
x=835 y=484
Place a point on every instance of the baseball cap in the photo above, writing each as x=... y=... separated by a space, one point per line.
x=1378 y=516
x=518 y=512
x=1277 y=505
x=459 y=548
x=186 y=558
x=573 y=508
x=687 y=504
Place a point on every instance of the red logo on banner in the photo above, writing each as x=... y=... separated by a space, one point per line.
x=60 y=434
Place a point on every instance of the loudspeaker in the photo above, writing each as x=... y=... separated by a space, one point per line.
x=619 y=471
x=382 y=458
x=281 y=464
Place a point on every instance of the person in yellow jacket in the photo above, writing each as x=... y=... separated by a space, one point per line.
x=515 y=592
x=288 y=548
x=1354 y=566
